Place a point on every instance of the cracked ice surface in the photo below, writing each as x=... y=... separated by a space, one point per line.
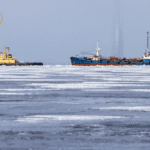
x=70 y=107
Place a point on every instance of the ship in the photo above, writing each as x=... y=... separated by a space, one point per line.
x=7 y=60
x=112 y=60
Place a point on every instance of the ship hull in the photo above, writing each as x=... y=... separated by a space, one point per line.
x=73 y=64
x=75 y=61
x=22 y=64
x=146 y=61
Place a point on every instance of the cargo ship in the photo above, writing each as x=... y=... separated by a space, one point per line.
x=112 y=61
x=7 y=60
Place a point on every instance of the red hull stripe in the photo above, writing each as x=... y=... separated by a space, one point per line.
x=73 y=64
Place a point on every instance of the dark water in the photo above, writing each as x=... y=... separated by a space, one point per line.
x=74 y=108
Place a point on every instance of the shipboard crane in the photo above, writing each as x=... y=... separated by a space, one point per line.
x=97 y=49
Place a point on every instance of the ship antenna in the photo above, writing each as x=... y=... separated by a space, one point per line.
x=98 y=49
x=147 y=41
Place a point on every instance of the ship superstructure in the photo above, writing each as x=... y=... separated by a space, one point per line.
x=146 y=55
x=6 y=57
x=98 y=60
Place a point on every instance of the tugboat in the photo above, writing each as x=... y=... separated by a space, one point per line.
x=98 y=60
x=7 y=60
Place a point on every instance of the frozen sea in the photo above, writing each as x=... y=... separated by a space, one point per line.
x=74 y=108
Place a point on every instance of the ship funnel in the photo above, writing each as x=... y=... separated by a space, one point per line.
x=7 y=50
x=97 y=49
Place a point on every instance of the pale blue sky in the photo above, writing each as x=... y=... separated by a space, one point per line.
x=52 y=31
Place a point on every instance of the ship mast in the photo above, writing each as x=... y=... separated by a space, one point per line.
x=147 y=41
x=4 y=49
